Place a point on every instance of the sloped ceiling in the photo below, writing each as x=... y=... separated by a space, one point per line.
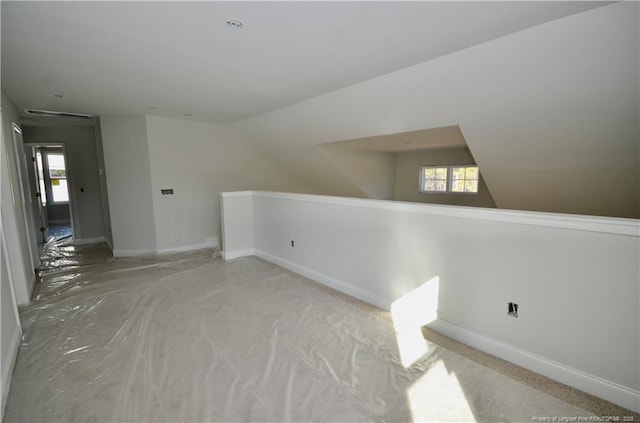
x=180 y=59
x=545 y=93
x=445 y=137
x=551 y=114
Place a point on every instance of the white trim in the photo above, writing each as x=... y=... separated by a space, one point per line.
x=329 y=281
x=94 y=240
x=209 y=243
x=230 y=255
x=594 y=385
x=132 y=253
x=237 y=194
x=612 y=225
x=9 y=365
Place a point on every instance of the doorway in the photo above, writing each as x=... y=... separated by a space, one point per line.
x=49 y=182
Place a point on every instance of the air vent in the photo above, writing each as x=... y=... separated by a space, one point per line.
x=49 y=113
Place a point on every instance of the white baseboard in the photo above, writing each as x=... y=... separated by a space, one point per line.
x=230 y=255
x=594 y=385
x=8 y=366
x=85 y=241
x=329 y=281
x=209 y=243
x=132 y=253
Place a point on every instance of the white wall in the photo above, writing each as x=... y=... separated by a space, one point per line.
x=82 y=163
x=12 y=209
x=10 y=335
x=128 y=175
x=575 y=278
x=200 y=160
x=16 y=275
x=104 y=196
x=553 y=106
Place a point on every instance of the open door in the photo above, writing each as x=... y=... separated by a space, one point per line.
x=41 y=194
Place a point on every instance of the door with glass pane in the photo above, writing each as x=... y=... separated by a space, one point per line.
x=53 y=192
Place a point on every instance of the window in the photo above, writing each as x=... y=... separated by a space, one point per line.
x=58 y=177
x=452 y=179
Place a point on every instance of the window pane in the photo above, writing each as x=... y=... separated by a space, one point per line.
x=56 y=161
x=471 y=186
x=441 y=186
x=457 y=173
x=59 y=190
x=457 y=186
x=430 y=185
x=430 y=173
x=472 y=172
x=441 y=173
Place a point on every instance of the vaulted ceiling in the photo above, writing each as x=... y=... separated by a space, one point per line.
x=181 y=58
x=545 y=94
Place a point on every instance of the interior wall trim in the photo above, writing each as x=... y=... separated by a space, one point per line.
x=9 y=365
x=594 y=385
x=613 y=225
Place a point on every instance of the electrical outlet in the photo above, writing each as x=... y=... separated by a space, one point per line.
x=293 y=244
x=167 y=191
x=512 y=309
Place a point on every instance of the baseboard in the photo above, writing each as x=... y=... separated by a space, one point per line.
x=209 y=243
x=230 y=255
x=132 y=253
x=329 y=281
x=594 y=385
x=94 y=240
x=8 y=366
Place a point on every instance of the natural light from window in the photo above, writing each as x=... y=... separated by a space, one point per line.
x=58 y=177
x=410 y=313
x=449 y=179
x=437 y=395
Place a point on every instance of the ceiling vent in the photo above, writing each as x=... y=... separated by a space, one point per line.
x=49 y=113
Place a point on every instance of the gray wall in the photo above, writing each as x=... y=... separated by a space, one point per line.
x=126 y=157
x=408 y=170
x=82 y=164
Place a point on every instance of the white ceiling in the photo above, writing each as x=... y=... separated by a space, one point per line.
x=425 y=139
x=181 y=58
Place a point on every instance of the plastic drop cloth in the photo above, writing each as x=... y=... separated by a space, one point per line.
x=192 y=338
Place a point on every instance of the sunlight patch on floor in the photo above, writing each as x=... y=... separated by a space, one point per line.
x=410 y=312
x=437 y=396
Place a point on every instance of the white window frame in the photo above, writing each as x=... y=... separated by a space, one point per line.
x=448 y=190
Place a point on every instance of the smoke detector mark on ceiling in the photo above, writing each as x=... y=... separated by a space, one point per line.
x=235 y=23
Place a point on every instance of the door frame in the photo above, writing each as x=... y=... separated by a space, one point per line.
x=72 y=199
x=25 y=191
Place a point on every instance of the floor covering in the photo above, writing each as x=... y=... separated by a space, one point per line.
x=192 y=338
